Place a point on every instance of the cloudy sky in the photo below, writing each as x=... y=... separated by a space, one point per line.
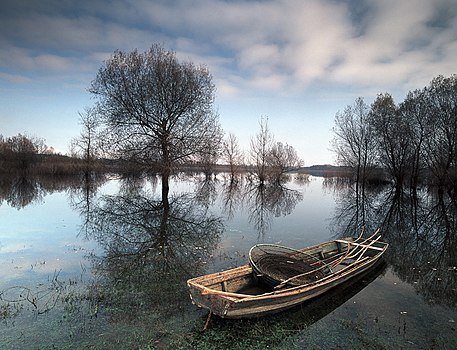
x=297 y=62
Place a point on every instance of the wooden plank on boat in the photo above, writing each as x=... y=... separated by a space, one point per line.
x=359 y=244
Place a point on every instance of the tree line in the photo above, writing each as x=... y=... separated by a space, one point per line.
x=410 y=143
x=21 y=151
x=25 y=155
x=156 y=111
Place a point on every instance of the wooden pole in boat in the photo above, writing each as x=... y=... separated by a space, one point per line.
x=349 y=250
x=361 y=233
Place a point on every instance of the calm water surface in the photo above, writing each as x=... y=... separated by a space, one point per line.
x=103 y=264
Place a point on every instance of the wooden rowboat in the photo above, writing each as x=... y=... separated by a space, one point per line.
x=241 y=293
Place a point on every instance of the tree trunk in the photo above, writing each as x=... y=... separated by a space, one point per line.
x=165 y=185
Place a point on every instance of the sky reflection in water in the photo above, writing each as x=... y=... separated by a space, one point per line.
x=46 y=244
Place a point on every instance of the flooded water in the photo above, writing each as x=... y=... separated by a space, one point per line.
x=103 y=264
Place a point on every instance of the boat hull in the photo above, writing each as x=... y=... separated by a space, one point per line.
x=220 y=292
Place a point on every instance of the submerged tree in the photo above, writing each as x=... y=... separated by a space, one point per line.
x=271 y=159
x=261 y=145
x=392 y=136
x=414 y=111
x=353 y=141
x=441 y=146
x=355 y=147
x=209 y=154
x=282 y=158
x=21 y=152
x=413 y=141
x=156 y=109
x=232 y=154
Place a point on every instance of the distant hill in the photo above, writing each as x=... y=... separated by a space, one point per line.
x=326 y=170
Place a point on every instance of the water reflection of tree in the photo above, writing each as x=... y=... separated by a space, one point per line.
x=206 y=193
x=20 y=191
x=151 y=247
x=23 y=190
x=232 y=195
x=263 y=202
x=82 y=196
x=268 y=201
x=421 y=227
x=354 y=210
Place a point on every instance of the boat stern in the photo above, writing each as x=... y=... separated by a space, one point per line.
x=202 y=297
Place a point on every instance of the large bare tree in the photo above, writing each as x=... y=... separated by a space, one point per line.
x=156 y=109
x=355 y=147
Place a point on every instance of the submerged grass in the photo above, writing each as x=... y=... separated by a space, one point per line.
x=262 y=333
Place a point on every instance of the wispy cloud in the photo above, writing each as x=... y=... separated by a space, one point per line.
x=278 y=44
x=265 y=55
x=14 y=78
x=265 y=44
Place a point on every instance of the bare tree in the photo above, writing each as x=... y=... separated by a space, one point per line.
x=414 y=112
x=353 y=141
x=232 y=154
x=211 y=152
x=441 y=147
x=282 y=158
x=26 y=144
x=355 y=147
x=393 y=137
x=85 y=145
x=22 y=151
x=417 y=137
x=261 y=145
x=156 y=109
